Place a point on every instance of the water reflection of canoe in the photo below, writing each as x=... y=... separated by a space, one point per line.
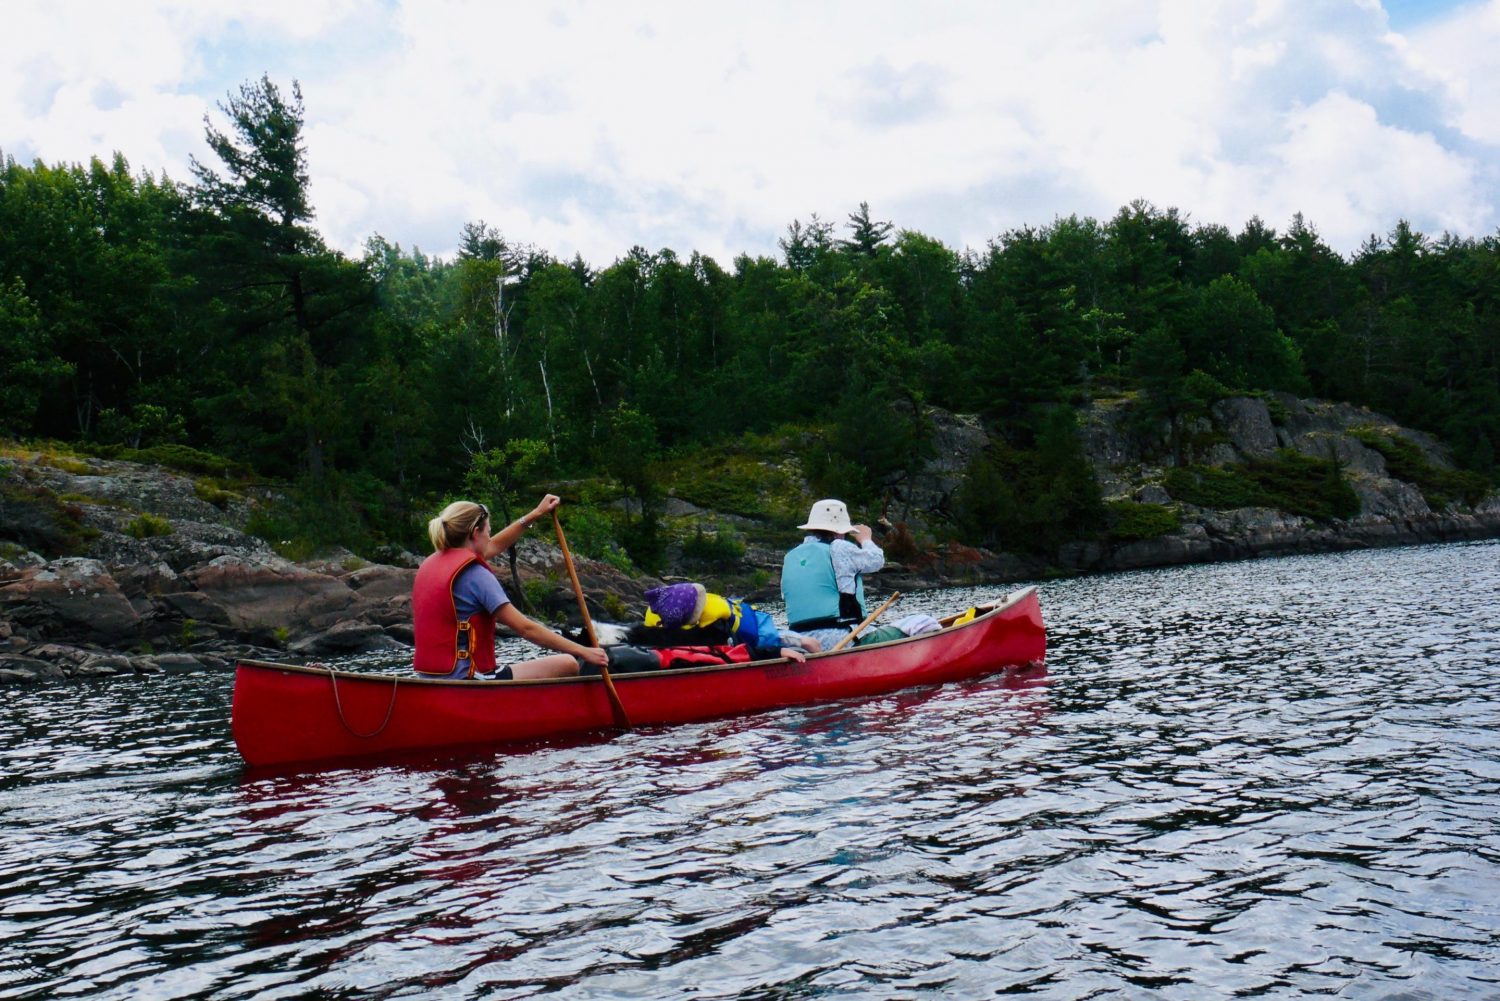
x=285 y=713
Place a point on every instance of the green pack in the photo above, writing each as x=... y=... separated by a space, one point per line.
x=880 y=634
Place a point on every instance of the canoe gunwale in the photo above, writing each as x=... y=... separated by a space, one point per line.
x=412 y=678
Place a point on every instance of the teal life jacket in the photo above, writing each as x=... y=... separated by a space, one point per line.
x=811 y=593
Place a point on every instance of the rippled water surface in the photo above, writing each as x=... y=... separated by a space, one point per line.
x=1275 y=778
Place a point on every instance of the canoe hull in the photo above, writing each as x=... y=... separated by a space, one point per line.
x=284 y=713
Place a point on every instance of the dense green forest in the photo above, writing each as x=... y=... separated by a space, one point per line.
x=139 y=312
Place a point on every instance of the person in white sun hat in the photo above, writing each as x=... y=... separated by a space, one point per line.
x=822 y=580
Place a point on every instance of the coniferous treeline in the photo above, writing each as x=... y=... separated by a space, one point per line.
x=139 y=310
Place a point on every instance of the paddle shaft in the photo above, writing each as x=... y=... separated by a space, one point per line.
x=588 y=624
x=868 y=619
x=583 y=608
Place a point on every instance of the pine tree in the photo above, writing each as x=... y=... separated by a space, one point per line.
x=866 y=234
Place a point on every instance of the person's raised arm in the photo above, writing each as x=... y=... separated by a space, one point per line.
x=869 y=557
x=505 y=538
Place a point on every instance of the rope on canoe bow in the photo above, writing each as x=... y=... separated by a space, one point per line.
x=333 y=679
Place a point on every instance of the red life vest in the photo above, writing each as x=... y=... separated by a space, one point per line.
x=441 y=639
x=701 y=656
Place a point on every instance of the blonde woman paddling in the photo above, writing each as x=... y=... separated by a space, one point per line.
x=457 y=599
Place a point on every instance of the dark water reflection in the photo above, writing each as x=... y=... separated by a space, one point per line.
x=1277 y=778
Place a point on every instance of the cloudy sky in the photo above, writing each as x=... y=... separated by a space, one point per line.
x=588 y=128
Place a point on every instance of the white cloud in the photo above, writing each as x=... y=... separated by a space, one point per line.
x=589 y=126
x=1381 y=172
x=1461 y=51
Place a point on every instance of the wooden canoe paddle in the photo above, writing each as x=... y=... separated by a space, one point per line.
x=868 y=619
x=621 y=720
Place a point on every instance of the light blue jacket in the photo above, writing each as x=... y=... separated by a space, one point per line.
x=810 y=591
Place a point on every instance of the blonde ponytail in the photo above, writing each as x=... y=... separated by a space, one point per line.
x=452 y=528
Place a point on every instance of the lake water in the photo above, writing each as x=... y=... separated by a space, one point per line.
x=1276 y=778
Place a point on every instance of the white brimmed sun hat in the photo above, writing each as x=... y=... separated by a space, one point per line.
x=828 y=516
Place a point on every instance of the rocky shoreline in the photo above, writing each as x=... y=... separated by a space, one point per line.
x=166 y=581
x=152 y=572
x=1392 y=511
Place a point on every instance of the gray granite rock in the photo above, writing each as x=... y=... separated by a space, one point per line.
x=72 y=597
x=344 y=638
x=15 y=667
x=1247 y=422
x=260 y=593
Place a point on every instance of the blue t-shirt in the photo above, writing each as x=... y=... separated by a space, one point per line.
x=475 y=592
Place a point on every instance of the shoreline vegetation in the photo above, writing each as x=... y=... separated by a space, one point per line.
x=201 y=396
x=113 y=566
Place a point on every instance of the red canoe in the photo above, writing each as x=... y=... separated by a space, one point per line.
x=285 y=713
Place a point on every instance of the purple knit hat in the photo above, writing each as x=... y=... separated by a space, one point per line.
x=678 y=604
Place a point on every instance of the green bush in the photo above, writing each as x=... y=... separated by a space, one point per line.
x=536 y=591
x=620 y=559
x=756 y=475
x=497 y=476
x=1129 y=520
x=1220 y=489
x=642 y=542
x=984 y=503
x=833 y=475
x=145 y=526
x=144 y=425
x=292 y=527
x=213 y=493
x=614 y=607
x=747 y=484
x=352 y=510
x=719 y=549
x=1314 y=488
x=68 y=464
x=1031 y=500
x=182 y=458
x=1289 y=481
x=74 y=499
x=40 y=520
x=1405 y=461
x=602 y=536
x=280 y=525
x=718 y=490
x=590 y=531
